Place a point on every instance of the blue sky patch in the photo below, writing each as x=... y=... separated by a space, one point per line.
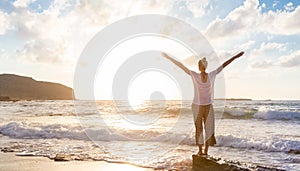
x=275 y=5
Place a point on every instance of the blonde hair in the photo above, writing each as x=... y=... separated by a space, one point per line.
x=204 y=62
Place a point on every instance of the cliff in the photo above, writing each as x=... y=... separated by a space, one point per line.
x=15 y=87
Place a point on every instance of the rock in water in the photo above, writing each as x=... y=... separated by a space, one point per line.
x=201 y=163
x=62 y=157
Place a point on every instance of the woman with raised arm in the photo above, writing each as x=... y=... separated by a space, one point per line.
x=202 y=106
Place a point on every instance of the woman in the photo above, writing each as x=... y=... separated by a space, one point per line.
x=202 y=106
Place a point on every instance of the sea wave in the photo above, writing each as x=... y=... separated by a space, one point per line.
x=268 y=114
x=274 y=144
x=238 y=113
x=57 y=131
x=24 y=130
x=262 y=113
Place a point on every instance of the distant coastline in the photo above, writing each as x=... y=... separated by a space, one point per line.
x=234 y=99
x=15 y=87
x=5 y=98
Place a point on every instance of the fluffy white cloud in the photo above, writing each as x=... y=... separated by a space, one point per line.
x=59 y=33
x=292 y=60
x=265 y=47
x=198 y=8
x=236 y=22
x=4 y=22
x=46 y=35
x=262 y=64
x=289 y=6
x=248 y=18
x=287 y=61
x=143 y=6
x=245 y=46
x=281 y=22
x=70 y=24
x=22 y=3
x=273 y=45
x=275 y=2
x=43 y=51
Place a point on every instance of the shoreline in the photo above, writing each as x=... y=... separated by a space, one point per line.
x=13 y=161
x=10 y=161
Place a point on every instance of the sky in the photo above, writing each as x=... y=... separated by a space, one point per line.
x=44 y=39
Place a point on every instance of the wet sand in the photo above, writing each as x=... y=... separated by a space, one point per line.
x=11 y=162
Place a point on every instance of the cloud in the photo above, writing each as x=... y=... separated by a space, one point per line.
x=144 y=6
x=22 y=3
x=4 y=22
x=198 y=8
x=267 y=47
x=248 y=18
x=236 y=22
x=275 y=2
x=289 y=6
x=70 y=24
x=59 y=33
x=272 y=45
x=292 y=60
x=262 y=64
x=245 y=46
x=286 y=61
x=43 y=51
x=281 y=22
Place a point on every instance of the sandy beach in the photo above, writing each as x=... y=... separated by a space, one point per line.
x=11 y=162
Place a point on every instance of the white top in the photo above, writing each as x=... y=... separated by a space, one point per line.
x=204 y=91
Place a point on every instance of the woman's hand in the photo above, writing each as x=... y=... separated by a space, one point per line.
x=229 y=61
x=165 y=55
x=239 y=54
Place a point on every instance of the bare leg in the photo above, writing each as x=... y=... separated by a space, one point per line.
x=200 y=150
x=208 y=115
x=199 y=128
x=198 y=134
x=206 y=149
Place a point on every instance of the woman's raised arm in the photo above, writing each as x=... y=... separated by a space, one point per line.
x=179 y=64
x=229 y=61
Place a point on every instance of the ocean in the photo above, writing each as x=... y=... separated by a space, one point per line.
x=156 y=134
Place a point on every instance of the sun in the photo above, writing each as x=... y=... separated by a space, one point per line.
x=152 y=84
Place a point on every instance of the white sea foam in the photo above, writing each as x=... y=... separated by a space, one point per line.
x=273 y=144
x=267 y=114
x=263 y=113
x=26 y=130
x=270 y=145
x=34 y=131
